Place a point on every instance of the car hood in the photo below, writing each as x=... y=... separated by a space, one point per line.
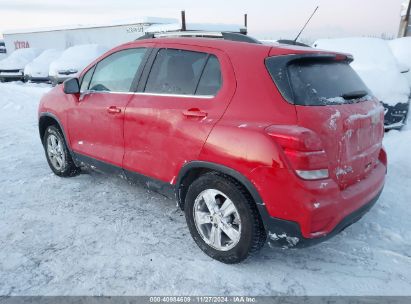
x=17 y=62
x=40 y=66
x=76 y=59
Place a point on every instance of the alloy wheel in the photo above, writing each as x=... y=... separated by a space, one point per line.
x=217 y=220
x=55 y=152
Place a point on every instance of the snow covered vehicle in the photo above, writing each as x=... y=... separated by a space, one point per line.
x=380 y=71
x=12 y=67
x=73 y=60
x=38 y=69
x=2 y=47
x=401 y=49
x=293 y=154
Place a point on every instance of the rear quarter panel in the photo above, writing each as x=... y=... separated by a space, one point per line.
x=239 y=140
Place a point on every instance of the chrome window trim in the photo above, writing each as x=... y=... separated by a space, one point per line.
x=175 y=95
x=87 y=92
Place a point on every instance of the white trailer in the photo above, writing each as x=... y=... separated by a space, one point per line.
x=108 y=35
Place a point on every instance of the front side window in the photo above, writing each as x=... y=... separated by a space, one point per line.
x=176 y=72
x=85 y=82
x=116 y=72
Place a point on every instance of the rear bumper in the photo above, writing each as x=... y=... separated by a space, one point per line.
x=395 y=117
x=287 y=234
x=11 y=75
x=300 y=213
x=37 y=78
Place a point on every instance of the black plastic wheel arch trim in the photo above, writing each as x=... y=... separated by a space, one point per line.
x=219 y=168
x=51 y=115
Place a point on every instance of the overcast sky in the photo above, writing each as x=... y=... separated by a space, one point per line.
x=268 y=19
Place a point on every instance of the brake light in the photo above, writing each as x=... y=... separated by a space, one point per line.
x=383 y=157
x=303 y=149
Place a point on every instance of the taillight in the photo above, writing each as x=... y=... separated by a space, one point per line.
x=303 y=149
x=382 y=157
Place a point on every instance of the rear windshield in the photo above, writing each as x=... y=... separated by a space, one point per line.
x=325 y=82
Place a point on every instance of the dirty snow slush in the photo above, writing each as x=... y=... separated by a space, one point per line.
x=97 y=235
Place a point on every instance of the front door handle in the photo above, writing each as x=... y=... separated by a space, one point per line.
x=113 y=110
x=194 y=112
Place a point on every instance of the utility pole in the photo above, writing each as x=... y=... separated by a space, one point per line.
x=407 y=19
x=405 y=22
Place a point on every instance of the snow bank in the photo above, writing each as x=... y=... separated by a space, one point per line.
x=39 y=67
x=19 y=59
x=401 y=49
x=376 y=65
x=76 y=58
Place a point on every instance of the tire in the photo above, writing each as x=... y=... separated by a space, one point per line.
x=57 y=153
x=250 y=235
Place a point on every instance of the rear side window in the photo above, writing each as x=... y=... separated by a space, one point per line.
x=211 y=80
x=319 y=82
x=116 y=72
x=183 y=73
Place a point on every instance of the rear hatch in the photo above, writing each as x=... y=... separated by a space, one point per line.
x=331 y=100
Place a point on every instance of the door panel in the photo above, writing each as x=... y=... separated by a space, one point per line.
x=163 y=131
x=96 y=121
x=96 y=130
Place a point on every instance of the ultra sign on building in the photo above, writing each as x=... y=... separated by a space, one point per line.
x=63 y=37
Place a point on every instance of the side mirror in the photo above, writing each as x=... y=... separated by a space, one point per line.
x=71 y=86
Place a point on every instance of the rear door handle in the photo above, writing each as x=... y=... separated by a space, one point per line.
x=194 y=112
x=113 y=110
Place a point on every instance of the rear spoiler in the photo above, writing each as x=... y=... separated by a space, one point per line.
x=277 y=67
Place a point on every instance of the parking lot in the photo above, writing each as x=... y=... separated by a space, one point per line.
x=98 y=235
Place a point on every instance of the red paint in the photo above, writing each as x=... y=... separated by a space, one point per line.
x=97 y=122
x=21 y=45
x=248 y=127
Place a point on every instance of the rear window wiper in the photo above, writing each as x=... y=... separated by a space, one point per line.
x=354 y=95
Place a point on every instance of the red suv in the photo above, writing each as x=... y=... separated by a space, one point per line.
x=256 y=142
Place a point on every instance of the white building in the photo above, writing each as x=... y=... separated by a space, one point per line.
x=108 y=35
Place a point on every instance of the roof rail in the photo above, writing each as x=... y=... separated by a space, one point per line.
x=203 y=34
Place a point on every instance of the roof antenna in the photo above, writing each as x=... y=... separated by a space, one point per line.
x=305 y=25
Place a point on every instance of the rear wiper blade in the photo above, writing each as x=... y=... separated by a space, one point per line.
x=354 y=95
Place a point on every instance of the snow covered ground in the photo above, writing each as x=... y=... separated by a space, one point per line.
x=97 y=235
